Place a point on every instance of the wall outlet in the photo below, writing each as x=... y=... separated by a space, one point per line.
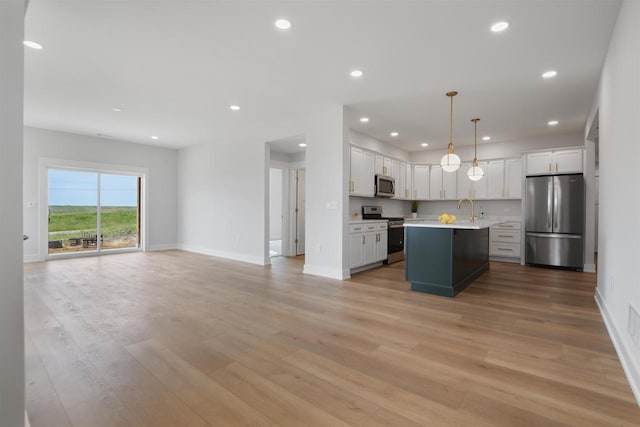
x=633 y=325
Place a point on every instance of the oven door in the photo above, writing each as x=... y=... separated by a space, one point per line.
x=395 y=245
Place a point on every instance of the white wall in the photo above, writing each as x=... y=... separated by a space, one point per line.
x=222 y=199
x=11 y=295
x=389 y=207
x=326 y=218
x=161 y=164
x=366 y=141
x=491 y=150
x=618 y=106
x=275 y=203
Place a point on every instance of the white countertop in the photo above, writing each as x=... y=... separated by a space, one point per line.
x=368 y=221
x=465 y=225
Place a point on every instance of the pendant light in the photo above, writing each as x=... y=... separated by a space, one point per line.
x=450 y=162
x=475 y=172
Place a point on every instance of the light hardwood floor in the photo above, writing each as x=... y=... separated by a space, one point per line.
x=179 y=339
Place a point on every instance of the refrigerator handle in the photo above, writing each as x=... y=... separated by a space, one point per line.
x=550 y=204
x=556 y=205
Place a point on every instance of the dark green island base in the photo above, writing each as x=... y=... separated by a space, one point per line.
x=444 y=261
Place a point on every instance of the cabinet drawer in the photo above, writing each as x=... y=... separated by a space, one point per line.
x=508 y=236
x=370 y=227
x=511 y=250
x=508 y=225
x=356 y=228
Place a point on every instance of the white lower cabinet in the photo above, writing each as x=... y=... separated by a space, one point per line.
x=504 y=241
x=367 y=244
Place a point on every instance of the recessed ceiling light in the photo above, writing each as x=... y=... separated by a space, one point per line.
x=499 y=26
x=364 y=119
x=302 y=144
x=553 y=123
x=155 y=137
x=425 y=144
x=283 y=24
x=235 y=107
x=356 y=73
x=394 y=134
x=117 y=109
x=549 y=74
x=32 y=44
x=486 y=138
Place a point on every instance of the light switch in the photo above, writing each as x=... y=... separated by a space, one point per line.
x=333 y=205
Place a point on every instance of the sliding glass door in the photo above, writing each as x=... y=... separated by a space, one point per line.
x=92 y=211
x=119 y=213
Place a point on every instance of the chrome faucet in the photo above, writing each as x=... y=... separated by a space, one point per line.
x=473 y=213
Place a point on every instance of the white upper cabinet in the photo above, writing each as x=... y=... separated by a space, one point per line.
x=558 y=161
x=568 y=161
x=539 y=163
x=464 y=183
x=468 y=188
x=379 y=164
x=449 y=185
x=387 y=166
x=403 y=180
x=421 y=182
x=443 y=184
x=369 y=176
x=435 y=182
x=409 y=182
x=480 y=188
x=357 y=170
x=513 y=179
x=495 y=179
x=362 y=182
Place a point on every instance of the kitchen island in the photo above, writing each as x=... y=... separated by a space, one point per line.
x=443 y=259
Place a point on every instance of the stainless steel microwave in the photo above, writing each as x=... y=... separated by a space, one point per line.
x=385 y=186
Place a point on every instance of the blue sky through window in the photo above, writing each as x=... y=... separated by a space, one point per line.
x=75 y=188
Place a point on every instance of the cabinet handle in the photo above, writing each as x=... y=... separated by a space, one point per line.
x=415 y=193
x=505 y=235
x=506 y=226
x=359 y=228
x=556 y=167
x=363 y=239
x=505 y=250
x=549 y=167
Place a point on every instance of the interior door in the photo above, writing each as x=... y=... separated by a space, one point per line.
x=300 y=212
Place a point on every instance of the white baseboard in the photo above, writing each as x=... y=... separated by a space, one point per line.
x=26 y=420
x=252 y=259
x=32 y=258
x=331 y=273
x=630 y=366
x=589 y=268
x=162 y=247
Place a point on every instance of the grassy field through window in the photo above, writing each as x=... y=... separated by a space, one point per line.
x=73 y=227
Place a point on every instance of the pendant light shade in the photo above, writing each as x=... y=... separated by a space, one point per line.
x=450 y=162
x=475 y=172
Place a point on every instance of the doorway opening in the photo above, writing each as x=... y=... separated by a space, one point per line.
x=286 y=198
x=275 y=211
x=91 y=212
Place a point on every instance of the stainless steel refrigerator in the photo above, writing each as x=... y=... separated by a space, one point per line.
x=554 y=221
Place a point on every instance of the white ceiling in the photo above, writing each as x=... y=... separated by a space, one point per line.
x=175 y=67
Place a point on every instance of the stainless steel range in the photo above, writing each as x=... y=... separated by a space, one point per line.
x=395 y=245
